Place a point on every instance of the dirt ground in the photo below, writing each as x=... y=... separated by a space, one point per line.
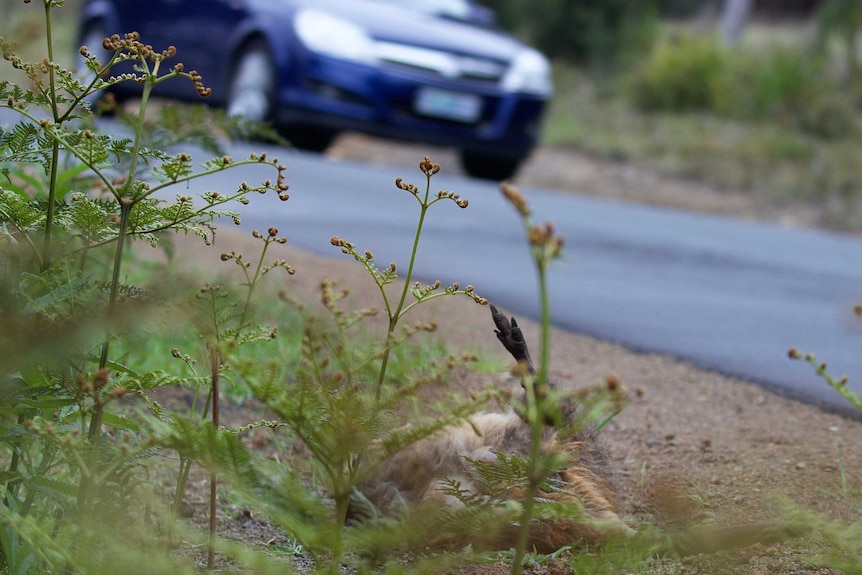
x=691 y=444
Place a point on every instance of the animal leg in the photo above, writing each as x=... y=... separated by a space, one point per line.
x=512 y=338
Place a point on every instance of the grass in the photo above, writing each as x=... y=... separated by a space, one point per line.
x=776 y=162
x=770 y=117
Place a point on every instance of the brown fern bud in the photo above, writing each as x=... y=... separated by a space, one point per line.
x=514 y=196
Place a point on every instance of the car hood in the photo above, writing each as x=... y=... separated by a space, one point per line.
x=391 y=23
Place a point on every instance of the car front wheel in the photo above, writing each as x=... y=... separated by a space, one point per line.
x=308 y=137
x=252 y=85
x=490 y=166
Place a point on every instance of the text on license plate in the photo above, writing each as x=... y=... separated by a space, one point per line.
x=447 y=104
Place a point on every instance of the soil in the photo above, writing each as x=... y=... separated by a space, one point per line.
x=691 y=445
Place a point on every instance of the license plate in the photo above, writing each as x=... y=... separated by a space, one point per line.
x=456 y=106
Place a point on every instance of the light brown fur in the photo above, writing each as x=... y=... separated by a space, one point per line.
x=420 y=474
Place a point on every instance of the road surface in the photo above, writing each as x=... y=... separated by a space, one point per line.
x=724 y=294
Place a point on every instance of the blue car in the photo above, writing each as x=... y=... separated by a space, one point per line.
x=434 y=71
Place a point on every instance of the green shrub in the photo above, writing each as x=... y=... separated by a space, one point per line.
x=594 y=33
x=788 y=85
x=840 y=21
x=783 y=84
x=682 y=73
x=81 y=427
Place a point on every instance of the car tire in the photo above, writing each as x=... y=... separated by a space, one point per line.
x=251 y=95
x=310 y=138
x=489 y=166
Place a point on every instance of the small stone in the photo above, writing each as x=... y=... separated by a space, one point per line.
x=800 y=466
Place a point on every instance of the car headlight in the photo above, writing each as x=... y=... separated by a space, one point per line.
x=332 y=36
x=529 y=73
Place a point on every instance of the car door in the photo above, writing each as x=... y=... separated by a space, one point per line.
x=152 y=21
x=200 y=30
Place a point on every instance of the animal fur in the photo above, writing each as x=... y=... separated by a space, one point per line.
x=422 y=473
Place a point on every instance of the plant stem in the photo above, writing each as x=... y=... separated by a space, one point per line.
x=213 y=479
x=342 y=503
x=535 y=419
x=545 y=350
x=127 y=202
x=251 y=283
x=12 y=485
x=125 y=211
x=49 y=213
x=47 y=459
x=182 y=479
x=55 y=147
x=395 y=316
x=535 y=415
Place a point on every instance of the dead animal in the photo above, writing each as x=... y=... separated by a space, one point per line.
x=423 y=473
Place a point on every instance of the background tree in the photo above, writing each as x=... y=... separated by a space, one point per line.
x=842 y=20
x=593 y=33
x=734 y=14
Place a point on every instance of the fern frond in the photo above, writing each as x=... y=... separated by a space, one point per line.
x=21 y=143
x=496 y=477
x=20 y=97
x=16 y=209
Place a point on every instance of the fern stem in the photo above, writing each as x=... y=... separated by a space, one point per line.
x=342 y=503
x=49 y=213
x=535 y=419
x=214 y=357
x=52 y=87
x=545 y=351
x=395 y=316
x=252 y=283
x=44 y=465
x=12 y=485
x=182 y=480
x=127 y=202
x=55 y=147
x=535 y=394
x=125 y=211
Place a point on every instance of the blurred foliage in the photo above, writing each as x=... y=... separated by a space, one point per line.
x=683 y=72
x=841 y=20
x=594 y=33
x=776 y=162
x=787 y=85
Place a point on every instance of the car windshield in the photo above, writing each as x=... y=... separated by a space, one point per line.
x=459 y=9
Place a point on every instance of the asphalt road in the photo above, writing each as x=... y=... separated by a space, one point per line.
x=724 y=294
x=727 y=295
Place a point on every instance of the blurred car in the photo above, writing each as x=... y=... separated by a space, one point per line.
x=434 y=71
